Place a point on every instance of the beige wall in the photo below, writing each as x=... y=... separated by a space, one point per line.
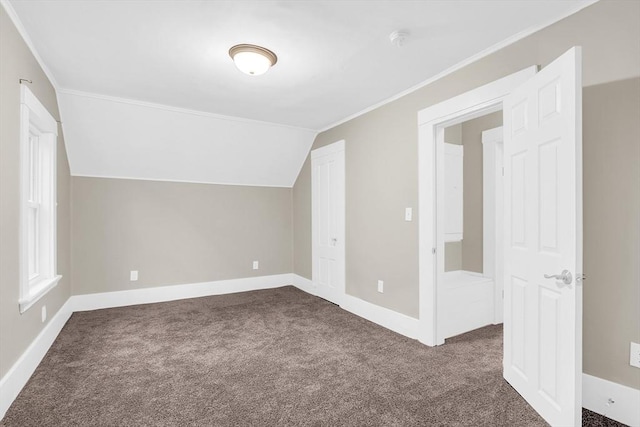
x=452 y=256
x=612 y=229
x=467 y=255
x=472 y=256
x=17 y=330
x=453 y=134
x=382 y=179
x=301 y=201
x=175 y=233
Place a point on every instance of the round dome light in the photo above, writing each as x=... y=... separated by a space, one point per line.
x=251 y=59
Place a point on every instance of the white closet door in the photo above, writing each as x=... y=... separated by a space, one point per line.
x=328 y=221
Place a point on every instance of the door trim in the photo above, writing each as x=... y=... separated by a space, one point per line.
x=328 y=149
x=431 y=124
x=492 y=214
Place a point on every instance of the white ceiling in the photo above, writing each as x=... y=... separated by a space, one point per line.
x=335 y=58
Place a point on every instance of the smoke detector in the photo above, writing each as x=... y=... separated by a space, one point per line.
x=398 y=38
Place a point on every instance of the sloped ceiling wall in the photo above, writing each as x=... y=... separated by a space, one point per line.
x=116 y=138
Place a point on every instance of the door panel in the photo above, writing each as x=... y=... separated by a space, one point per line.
x=518 y=325
x=543 y=222
x=327 y=164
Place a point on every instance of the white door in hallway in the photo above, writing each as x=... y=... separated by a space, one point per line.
x=328 y=221
x=543 y=240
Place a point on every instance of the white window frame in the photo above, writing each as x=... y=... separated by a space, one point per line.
x=35 y=121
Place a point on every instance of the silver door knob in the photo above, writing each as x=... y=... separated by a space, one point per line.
x=334 y=241
x=565 y=277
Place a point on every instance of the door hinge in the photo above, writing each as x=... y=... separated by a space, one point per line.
x=433 y=251
x=503 y=171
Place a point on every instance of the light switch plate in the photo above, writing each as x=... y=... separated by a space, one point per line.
x=634 y=356
x=408 y=214
x=134 y=275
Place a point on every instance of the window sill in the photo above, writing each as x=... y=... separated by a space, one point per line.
x=38 y=291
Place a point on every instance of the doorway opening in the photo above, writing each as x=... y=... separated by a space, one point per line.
x=433 y=121
x=471 y=268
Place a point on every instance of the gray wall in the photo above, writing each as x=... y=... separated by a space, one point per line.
x=17 y=330
x=175 y=233
x=382 y=179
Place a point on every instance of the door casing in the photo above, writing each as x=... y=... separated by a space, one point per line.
x=492 y=214
x=431 y=124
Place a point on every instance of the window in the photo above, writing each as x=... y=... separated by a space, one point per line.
x=38 y=135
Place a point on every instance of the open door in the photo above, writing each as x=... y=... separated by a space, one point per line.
x=543 y=240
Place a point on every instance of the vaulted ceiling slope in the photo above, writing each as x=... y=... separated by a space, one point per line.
x=335 y=60
x=110 y=137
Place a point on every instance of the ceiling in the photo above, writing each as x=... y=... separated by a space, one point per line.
x=114 y=138
x=335 y=58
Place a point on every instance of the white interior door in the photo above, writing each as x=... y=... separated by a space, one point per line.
x=328 y=219
x=543 y=238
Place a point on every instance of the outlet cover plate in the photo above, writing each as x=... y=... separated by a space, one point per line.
x=134 y=275
x=256 y=265
x=381 y=286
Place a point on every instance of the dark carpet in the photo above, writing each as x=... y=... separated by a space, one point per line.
x=273 y=357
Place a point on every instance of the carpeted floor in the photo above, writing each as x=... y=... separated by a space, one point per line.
x=273 y=357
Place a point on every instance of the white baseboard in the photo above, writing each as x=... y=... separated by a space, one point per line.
x=303 y=284
x=397 y=322
x=625 y=408
x=16 y=378
x=175 y=292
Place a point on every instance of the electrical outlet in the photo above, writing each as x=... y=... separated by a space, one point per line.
x=381 y=286
x=134 y=275
x=256 y=265
x=44 y=313
x=634 y=357
x=408 y=214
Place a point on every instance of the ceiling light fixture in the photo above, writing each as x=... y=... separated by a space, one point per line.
x=251 y=59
